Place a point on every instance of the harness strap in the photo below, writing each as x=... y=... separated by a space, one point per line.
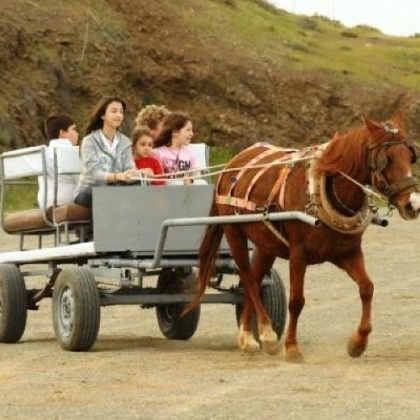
x=244 y=203
x=276 y=233
x=279 y=183
x=251 y=163
x=235 y=201
x=261 y=172
x=286 y=171
x=278 y=187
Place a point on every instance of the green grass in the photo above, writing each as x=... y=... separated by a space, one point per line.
x=20 y=197
x=361 y=54
x=220 y=155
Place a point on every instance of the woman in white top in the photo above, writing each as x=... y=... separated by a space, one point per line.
x=61 y=131
x=106 y=152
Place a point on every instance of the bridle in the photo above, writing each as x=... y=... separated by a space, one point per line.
x=378 y=161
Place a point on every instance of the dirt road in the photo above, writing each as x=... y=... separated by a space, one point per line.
x=134 y=373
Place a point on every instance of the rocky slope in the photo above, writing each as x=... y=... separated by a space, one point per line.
x=58 y=55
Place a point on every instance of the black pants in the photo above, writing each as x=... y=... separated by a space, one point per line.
x=84 y=198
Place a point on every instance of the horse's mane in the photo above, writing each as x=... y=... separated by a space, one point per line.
x=346 y=153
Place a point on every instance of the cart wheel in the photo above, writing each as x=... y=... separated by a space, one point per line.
x=273 y=295
x=171 y=323
x=76 y=309
x=13 y=304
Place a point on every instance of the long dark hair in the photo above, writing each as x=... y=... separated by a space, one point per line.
x=172 y=122
x=95 y=121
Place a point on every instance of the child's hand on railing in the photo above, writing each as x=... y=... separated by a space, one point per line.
x=188 y=180
x=127 y=175
x=141 y=174
x=148 y=172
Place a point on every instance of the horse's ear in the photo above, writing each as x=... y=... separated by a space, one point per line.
x=398 y=118
x=370 y=124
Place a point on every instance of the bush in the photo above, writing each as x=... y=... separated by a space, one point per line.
x=308 y=24
x=349 y=34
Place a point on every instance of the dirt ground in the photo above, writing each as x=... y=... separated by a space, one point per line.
x=133 y=372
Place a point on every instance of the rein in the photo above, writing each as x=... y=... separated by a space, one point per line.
x=268 y=165
x=367 y=190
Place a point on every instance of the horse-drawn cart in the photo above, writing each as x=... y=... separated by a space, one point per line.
x=137 y=234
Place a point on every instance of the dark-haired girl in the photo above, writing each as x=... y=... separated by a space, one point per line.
x=171 y=149
x=106 y=152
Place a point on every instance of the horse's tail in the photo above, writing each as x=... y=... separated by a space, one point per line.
x=207 y=255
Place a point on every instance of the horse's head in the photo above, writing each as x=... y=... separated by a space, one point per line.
x=390 y=158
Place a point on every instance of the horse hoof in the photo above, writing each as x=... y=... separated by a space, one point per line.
x=251 y=348
x=270 y=347
x=353 y=350
x=294 y=357
x=247 y=343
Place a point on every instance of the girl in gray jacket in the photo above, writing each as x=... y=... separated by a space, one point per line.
x=106 y=152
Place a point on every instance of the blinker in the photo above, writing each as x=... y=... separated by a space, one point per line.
x=415 y=152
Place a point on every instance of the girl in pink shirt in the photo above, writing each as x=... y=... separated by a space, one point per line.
x=171 y=148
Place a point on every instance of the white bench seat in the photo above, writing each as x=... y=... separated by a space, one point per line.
x=24 y=164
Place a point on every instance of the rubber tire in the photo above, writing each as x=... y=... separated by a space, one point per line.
x=172 y=325
x=274 y=298
x=13 y=304
x=76 y=309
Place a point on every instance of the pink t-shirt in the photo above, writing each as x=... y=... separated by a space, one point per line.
x=175 y=160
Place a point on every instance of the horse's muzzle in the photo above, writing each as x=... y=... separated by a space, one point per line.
x=410 y=210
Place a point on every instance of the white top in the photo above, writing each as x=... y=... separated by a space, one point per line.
x=112 y=147
x=66 y=183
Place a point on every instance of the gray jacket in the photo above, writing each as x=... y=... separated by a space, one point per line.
x=98 y=161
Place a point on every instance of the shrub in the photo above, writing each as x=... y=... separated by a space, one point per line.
x=349 y=34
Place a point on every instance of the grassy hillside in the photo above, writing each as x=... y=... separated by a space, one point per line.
x=315 y=43
x=244 y=70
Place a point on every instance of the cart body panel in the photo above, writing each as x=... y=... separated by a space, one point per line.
x=129 y=218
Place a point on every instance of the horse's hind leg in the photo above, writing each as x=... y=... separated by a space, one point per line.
x=355 y=268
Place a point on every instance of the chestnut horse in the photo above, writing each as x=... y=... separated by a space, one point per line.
x=327 y=182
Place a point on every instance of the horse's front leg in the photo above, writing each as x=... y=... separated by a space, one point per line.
x=297 y=270
x=238 y=244
x=354 y=265
x=246 y=340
